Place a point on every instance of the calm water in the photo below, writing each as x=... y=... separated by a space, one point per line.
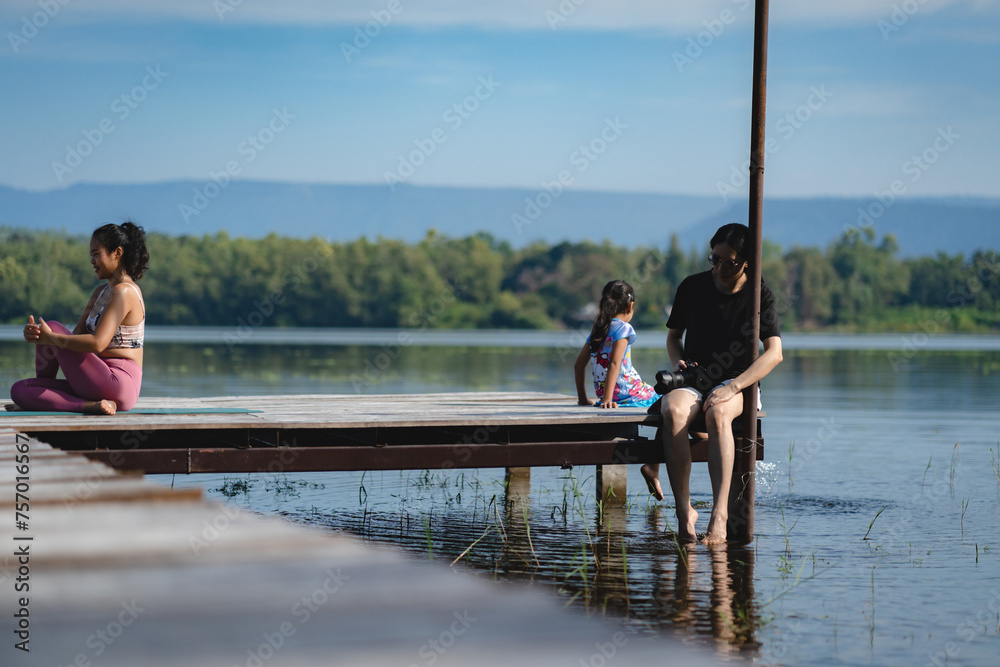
x=898 y=443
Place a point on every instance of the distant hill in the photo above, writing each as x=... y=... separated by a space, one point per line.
x=344 y=212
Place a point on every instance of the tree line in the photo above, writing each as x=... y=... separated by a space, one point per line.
x=857 y=283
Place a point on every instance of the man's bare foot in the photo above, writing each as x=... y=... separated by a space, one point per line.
x=716 y=530
x=102 y=407
x=11 y=407
x=685 y=530
x=652 y=481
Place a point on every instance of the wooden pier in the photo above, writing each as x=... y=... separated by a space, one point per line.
x=243 y=434
x=108 y=568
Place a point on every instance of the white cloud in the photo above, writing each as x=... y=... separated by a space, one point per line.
x=667 y=15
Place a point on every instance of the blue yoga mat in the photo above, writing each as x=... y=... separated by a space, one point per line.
x=140 y=411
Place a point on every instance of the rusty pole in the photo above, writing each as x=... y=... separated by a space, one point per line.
x=740 y=528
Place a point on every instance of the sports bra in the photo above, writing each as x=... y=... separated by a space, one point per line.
x=128 y=336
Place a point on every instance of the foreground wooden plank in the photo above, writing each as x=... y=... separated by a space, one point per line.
x=141 y=581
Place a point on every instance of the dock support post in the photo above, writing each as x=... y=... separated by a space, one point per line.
x=518 y=480
x=740 y=526
x=611 y=484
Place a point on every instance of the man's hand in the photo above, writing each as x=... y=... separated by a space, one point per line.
x=719 y=395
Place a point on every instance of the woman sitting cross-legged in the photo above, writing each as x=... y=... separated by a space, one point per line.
x=102 y=357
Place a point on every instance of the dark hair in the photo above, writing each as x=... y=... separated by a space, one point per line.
x=734 y=235
x=615 y=298
x=131 y=238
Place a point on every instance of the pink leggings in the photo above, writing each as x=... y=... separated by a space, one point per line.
x=88 y=378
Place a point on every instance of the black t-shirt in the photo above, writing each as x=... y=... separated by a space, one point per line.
x=715 y=324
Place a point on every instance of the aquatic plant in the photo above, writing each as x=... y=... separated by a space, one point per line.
x=791 y=451
x=872 y=523
x=427 y=531
x=925 y=471
x=956 y=451
x=234 y=487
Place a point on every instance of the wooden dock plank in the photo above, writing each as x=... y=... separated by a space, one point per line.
x=139 y=581
x=343 y=411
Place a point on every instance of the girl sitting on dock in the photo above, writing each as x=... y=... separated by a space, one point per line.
x=609 y=351
x=102 y=357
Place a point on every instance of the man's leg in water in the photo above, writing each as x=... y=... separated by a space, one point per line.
x=721 y=452
x=678 y=409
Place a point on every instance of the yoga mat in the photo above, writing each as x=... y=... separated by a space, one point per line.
x=139 y=411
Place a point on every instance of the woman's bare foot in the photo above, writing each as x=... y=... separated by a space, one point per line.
x=11 y=407
x=651 y=475
x=102 y=407
x=686 y=531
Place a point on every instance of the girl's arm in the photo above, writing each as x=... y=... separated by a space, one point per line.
x=614 y=368
x=114 y=313
x=81 y=325
x=579 y=373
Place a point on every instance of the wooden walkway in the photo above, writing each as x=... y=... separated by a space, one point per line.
x=354 y=432
x=114 y=570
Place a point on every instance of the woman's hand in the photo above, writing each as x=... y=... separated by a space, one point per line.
x=38 y=333
x=31 y=330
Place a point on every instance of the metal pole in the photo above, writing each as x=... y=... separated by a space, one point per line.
x=740 y=527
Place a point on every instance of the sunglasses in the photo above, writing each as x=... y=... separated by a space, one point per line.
x=730 y=264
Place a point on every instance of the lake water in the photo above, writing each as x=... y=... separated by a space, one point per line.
x=878 y=502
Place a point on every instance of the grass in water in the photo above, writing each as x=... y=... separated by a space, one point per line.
x=872 y=523
x=427 y=531
x=925 y=471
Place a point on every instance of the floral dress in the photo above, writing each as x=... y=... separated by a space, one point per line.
x=630 y=390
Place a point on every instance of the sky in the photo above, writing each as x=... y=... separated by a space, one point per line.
x=864 y=96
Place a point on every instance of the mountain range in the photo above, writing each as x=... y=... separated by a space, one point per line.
x=342 y=212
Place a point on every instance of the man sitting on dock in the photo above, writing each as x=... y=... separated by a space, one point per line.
x=711 y=307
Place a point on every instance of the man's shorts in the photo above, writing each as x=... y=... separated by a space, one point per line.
x=698 y=395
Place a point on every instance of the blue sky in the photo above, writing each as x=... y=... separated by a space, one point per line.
x=630 y=95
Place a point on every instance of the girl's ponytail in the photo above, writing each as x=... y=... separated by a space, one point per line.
x=615 y=298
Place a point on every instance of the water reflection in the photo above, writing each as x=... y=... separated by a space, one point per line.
x=617 y=561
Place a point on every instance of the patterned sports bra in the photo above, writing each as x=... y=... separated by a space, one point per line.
x=128 y=336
